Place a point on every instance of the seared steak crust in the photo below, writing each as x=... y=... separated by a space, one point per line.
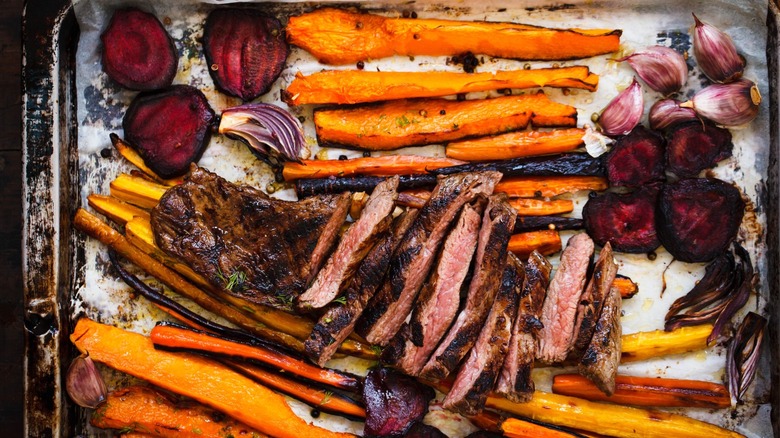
x=602 y=357
x=411 y=262
x=225 y=231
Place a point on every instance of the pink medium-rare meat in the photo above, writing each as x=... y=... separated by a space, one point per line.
x=515 y=381
x=439 y=298
x=412 y=261
x=353 y=247
x=498 y=221
x=592 y=300
x=479 y=371
x=600 y=361
x=563 y=297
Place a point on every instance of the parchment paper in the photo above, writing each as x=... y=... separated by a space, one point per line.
x=101 y=106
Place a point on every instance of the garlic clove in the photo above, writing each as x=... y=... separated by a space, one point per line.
x=663 y=69
x=731 y=104
x=667 y=112
x=716 y=53
x=84 y=384
x=623 y=112
x=596 y=143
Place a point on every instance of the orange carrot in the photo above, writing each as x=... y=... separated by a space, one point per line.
x=647 y=391
x=379 y=166
x=626 y=286
x=360 y=86
x=517 y=428
x=549 y=186
x=516 y=144
x=547 y=242
x=540 y=207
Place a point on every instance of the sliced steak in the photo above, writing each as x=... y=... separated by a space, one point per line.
x=439 y=298
x=592 y=300
x=338 y=321
x=563 y=297
x=243 y=242
x=411 y=262
x=602 y=357
x=498 y=222
x=353 y=247
x=515 y=381
x=478 y=374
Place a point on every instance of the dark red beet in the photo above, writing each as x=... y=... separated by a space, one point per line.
x=693 y=147
x=636 y=159
x=699 y=218
x=169 y=128
x=394 y=402
x=245 y=51
x=422 y=430
x=626 y=221
x=137 y=51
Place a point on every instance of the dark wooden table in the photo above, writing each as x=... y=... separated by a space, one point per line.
x=11 y=327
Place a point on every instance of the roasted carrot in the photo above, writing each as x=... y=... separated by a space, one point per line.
x=201 y=379
x=647 y=391
x=414 y=122
x=626 y=286
x=336 y=36
x=324 y=400
x=361 y=86
x=524 y=224
x=413 y=198
x=380 y=166
x=117 y=210
x=549 y=186
x=644 y=345
x=155 y=413
x=608 y=419
x=547 y=242
x=540 y=207
x=516 y=144
x=487 y=420
x=518 y=428
x=180 y=338
x=131 y=155
x=137 y=191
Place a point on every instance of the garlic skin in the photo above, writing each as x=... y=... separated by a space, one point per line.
x=663 y=69
x=730 y=104
x=716 y=53
x=84 y=384
x=623 y=112
x=596 y=143
x=667 y=112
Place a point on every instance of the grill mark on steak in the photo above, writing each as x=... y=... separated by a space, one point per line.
x=602 y=357
x=592 y=301
x=563 y=296
x=478 y=373
x=515 y=381
x=220 y=229
x=497 y=224
x=338 y=321
x=412 y=261
x=353 y=247
x=439 y=298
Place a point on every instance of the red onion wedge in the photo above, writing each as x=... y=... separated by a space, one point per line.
x=743 y=354
x=272 y=133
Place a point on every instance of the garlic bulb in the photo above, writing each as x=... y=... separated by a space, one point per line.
x=623 y=112
x=716 y=53
x=663 y=69
x=667 y=112
x=730 y=104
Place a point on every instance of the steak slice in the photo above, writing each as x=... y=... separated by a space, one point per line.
x=338 y=321
x=563 y=297
x=592 y=301
x=515 y=381
x=498 y=222
x=353 y=247
x=265 y=256
x=478 y=373
x=411 y=262
x=602 y=357
x=439 y=298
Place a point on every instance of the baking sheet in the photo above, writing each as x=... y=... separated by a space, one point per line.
x=101 y=106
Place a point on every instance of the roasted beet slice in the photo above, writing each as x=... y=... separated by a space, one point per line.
x=699 y=218
x=169 y=128
x=245 y=50
x=137 y=51
x=636 y=159
x=394 y=402
x=422 y=430
x=627 y=221
x=693 y=147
